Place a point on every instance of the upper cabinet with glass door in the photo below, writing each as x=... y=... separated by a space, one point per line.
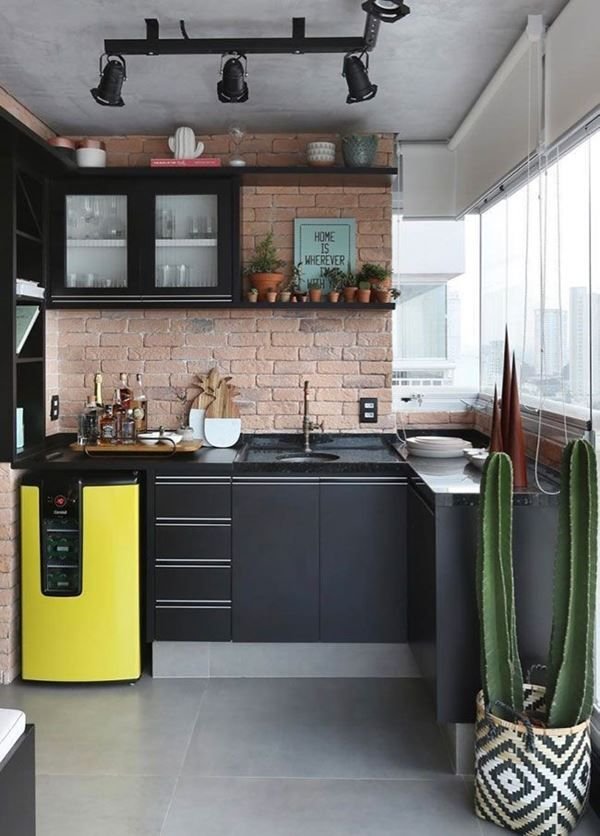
x=192 y=245
x=96 y=255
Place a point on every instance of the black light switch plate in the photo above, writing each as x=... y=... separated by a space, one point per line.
x=368 y=410
x=54 y=408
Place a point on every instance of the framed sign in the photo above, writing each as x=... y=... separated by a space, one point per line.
x=320 y=243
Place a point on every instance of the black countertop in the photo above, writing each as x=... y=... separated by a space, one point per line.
x=443 y=482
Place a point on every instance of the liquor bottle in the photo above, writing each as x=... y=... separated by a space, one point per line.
x=125 y=392
x=118 y=415
x=98 y=389
x=127 y=428
x=139 y=404
x=88 y=423
x=107 y=426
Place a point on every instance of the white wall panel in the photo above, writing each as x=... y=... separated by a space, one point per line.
x=427 y=180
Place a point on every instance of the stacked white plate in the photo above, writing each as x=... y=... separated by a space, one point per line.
x=477 y=457
x=437 y=446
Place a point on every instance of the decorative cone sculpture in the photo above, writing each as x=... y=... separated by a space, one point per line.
x=496 y=443
x=516 y=438
x=506 y=392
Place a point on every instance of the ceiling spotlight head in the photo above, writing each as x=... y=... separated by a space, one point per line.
x=234 y=71
x=356 y=74
x=388 y=11
x=108 y=91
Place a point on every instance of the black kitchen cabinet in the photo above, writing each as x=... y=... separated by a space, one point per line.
x=144 y=241
x=275 y=559
x=363 y=559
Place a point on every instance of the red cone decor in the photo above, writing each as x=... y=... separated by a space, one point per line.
x=496 y=445
x=516 y=439
x=506 y=391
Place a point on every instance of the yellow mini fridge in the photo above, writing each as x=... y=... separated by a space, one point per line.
x=80 y=585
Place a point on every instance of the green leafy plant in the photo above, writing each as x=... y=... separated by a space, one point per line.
x=265 y=258
x=570 y=684
x=253 y=291
x=395 y=293
x=373 y=273
x=501 y=671
x=364 y=285
x=350 y=278
x=335 y=277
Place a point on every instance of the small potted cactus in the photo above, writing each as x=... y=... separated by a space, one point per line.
x=252 y=295
x=350 y=288
x=315 y=290
x=364 y=292
x=335 y=277
x=271 y=295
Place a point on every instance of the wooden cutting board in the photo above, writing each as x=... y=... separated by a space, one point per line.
x=217 y=396
x=161 y=448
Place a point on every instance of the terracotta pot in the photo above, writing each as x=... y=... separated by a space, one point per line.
x=264 y=282
x=271 y=296
x=350 y=294
x=301 y=297
x=315 y=294
x=334 y=296
x=363 y=296
x=384 y=297
x=285 y=296
x=252 y=297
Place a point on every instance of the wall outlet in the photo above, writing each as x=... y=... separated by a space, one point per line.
x=368 y=410
x=54 y=408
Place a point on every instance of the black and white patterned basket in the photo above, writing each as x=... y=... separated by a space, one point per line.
x=531 y=780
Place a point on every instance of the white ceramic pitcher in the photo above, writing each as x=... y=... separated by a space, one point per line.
x=183 y=144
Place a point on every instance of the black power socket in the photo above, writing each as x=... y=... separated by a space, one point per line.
x=368 y=410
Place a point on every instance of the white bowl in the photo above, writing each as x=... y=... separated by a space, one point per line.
x=91 y=157
x=150 y=439
x=320 y=153
x=222 y=432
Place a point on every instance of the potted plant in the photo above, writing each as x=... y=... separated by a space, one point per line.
x=377 y=276
x=364 y=292
x=264 y=267
x=300 y=295
x=350 y=287
x=285 y=290
x=335 y=276
x=315 y=290
x=385 y=296
x=252 y=295
x=271 y=295
x=528 y=735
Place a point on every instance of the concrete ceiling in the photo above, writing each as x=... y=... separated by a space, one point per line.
x=430 y=67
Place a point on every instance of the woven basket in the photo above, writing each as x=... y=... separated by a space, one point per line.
x=531 y=780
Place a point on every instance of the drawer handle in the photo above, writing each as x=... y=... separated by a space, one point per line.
x=196 y=519
x=193 y=525
x=183 y=566
x=190 y=601
x=190 y=607
x=226 y=561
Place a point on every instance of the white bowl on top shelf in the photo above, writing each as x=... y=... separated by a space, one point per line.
x=222 y=432
x=320 y=153
x=91 y=157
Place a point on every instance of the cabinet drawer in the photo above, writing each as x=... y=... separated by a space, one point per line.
x=193 y=583
x=193 y=541
x=189 y=497
x=192 y=623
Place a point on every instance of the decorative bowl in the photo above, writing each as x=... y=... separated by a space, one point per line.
x=149 y=439
x=359 y=150
x=91 y=157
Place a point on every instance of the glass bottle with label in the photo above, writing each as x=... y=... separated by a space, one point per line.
x=127 y=428
x=125 y=392
x=107 y=426
x=88 y=423
x=139 y=404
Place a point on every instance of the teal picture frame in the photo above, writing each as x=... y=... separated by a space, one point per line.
x=320 y=243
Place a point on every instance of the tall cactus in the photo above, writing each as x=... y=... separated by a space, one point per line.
x=500 y=664
x=570 y=688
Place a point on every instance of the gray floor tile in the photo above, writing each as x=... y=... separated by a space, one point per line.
x=140 y=729
x=268 y=807
x=102 y=805
x=380 y=729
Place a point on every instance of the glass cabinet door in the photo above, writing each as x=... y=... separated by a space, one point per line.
x=96 y=252
x=186 y=244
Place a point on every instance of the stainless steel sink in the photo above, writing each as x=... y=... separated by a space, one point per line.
x=306 y=458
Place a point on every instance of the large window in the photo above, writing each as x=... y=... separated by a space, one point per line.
x=536 y=277
x=436 y=335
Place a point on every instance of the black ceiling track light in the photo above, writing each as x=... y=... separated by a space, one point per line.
x=356 y=73
x=234 y=71
x=233 y=86
x=388 y=11
x=108 y=91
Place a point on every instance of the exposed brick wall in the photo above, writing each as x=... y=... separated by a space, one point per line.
x=344 y=355
x=9 y=574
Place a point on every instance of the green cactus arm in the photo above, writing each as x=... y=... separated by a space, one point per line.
x=562 y=570
x=501 y=669
x=572 y=691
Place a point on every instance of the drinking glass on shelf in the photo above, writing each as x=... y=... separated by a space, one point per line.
x=165 y=276
x=210 y=227
x=183 y=275
x=91 y=280
x=195 y=228
x=71 y=280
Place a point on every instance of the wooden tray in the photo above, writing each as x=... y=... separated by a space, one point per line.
x=160 y=449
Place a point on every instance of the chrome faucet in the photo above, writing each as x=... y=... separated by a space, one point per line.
x=308 y=426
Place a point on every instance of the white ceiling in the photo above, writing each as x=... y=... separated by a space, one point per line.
x=430 y=67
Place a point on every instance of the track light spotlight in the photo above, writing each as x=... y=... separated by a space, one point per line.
x=233 y=86
x=108 y=91
x=356 y=74
x=388 y=11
